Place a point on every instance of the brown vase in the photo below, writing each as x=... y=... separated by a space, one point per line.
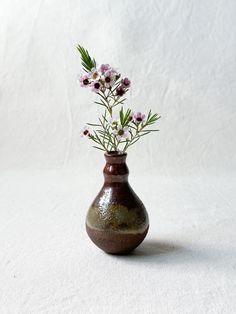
x=117 y=221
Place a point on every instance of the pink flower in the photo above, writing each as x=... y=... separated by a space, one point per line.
x=96 y=86
x=85 y=132
x=114 y=71
x=121 y=133
x=104 y=67
x=120 y=91
x=109 y=78
x=84 y=81
x=125 y=82
x=138 y=117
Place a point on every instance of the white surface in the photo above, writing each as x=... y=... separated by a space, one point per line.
x=48 y=265
x=180 y=56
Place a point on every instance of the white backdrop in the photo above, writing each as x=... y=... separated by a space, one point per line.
x=180 y=57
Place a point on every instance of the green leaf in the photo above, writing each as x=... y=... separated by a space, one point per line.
x=149 y=115
x=145 y=133
x=104 y=117
x=152 y=118
x=87 y=62
x=100 y=104
x=149 y=130
x=93 y=124
x=126 y=117
x=121 y=117
x=99 y=148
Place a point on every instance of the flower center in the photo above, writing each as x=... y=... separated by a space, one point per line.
x=139 y=119
x=97 y=85
x=114 y=124
x=94 y=75
x=121 y=132
x=107 y=79
x=120 y=91
x=86 y=132
x=86 y=82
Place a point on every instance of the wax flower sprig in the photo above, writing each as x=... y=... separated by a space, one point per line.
x=112 y=132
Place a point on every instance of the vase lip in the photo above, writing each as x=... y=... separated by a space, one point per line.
x=115 y=153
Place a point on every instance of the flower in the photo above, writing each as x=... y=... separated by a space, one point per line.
x=96 y=86
x=84 y=80
x=119 y=128
x=109 y=78
x=104 y=67
x=138 y=117
x=120 y=91
x=85 y=132
x=94 y=74
x=125 y=82
x=121 y=132
x=114 y=122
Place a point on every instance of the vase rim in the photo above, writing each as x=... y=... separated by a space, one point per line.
x=114 y=153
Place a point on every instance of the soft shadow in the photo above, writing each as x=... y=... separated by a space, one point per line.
x=153 y=247
x=162 y=251
x=153 y=250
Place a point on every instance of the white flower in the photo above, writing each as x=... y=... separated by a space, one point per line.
x=109 y=78
x=114 y=122
x=94 y=74
x=121 y=133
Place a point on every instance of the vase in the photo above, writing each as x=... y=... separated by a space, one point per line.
x=117 y=221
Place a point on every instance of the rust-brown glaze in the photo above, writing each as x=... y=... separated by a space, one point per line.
x=117 y=221
x=116 y=243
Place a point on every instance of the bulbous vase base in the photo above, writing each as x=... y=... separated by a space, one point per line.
x=117 y=243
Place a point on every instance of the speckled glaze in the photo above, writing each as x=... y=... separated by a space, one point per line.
x=117 y=221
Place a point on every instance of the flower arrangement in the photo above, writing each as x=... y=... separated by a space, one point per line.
x=115 y=131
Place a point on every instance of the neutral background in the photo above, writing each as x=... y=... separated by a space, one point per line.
x=181 y=59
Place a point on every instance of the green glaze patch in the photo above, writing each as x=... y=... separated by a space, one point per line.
x=117 y=218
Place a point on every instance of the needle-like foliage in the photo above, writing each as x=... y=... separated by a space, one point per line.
x=114 y=131
x=87 y=62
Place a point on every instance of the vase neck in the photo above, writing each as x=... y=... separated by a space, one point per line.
x=116 y=169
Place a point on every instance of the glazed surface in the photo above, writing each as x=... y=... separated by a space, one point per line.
x=117 y=220
x=115 y=242
x=117 y=208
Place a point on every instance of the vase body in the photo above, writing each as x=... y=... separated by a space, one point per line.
x=117 y=221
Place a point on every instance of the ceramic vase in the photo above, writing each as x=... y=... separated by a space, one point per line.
x=117 y=221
